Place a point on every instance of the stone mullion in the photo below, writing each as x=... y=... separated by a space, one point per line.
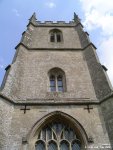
x=52 y=134
x=46 y=144
x=41 y=134
x=58 y=144
x=55 y=37
x=70 y=146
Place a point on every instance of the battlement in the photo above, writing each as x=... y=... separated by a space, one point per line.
x=57 y=23
x=35 y=22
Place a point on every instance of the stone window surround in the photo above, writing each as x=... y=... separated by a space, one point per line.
x=56 y=36
x=57 y=72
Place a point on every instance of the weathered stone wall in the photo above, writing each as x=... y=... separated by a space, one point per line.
x=99 y=80
x=28 y=77
x=17 y=125
x=6 y=113
x=13 y=81
x=39 y=37
x=107 y=109
x=28 y=80
x=83 y=36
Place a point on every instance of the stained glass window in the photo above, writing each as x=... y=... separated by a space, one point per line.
x=40 y=145
x=64 y=145
x=75 y=146
x=57 y=136
x=52 y=146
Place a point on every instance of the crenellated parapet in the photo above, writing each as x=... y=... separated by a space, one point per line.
x=52 y=23
x=33 y=20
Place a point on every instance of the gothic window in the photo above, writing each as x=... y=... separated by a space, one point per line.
x=57 y=80
x=40 y=145
x=52 y=146
x=56 y=36
x=60 y=83
x=64 y=145
x=57 y=136
x=53 y=83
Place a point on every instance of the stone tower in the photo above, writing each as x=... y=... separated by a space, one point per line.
x=55 y=94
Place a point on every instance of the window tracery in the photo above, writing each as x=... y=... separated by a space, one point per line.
x=57 y=136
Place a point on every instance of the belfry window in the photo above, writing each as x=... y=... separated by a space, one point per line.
x=57 y=80
x=57 y=136
x=56 y=36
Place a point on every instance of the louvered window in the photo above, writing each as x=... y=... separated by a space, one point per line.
x=56 y=36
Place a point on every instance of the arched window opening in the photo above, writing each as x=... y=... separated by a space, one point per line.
x=76 y=145
x=52 y=37
x=57 y=136
x=64 y=145
x=40 y=145
x=57 y=80
x=60 y=83
x=52 y=83
x=52 y=146
x=56 y=36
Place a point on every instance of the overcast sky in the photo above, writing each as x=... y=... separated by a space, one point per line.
x=96 y=16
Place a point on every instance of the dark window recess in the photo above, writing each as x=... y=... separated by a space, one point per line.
x=58 y=38
x=52 y=38
x=52 y=83
x=60 y=83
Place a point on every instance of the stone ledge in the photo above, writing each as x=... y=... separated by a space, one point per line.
x=59 y=101
x=51 y=101
x=90 y=44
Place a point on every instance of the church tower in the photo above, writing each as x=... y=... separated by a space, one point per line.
x=55 y=94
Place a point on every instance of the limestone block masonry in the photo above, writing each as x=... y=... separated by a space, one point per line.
x=27 y=102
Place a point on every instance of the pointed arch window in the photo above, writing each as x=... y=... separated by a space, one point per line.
x=52 y=83
x=57 y=136
x=57 y=80
x=40 y=145
x=60 y=83
x=56 y=36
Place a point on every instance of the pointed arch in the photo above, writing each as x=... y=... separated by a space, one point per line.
x=63 y=118
x=56 y=36
x=57 y=80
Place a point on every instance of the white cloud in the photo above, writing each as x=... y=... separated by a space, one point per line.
x=50 y=4
x=1 y=63
x=99 y=14
x=16 y=12
x=1 y=66
x=106 y=56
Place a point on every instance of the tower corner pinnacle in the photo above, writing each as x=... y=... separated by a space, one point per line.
x=33 y=18
x=76 y=18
